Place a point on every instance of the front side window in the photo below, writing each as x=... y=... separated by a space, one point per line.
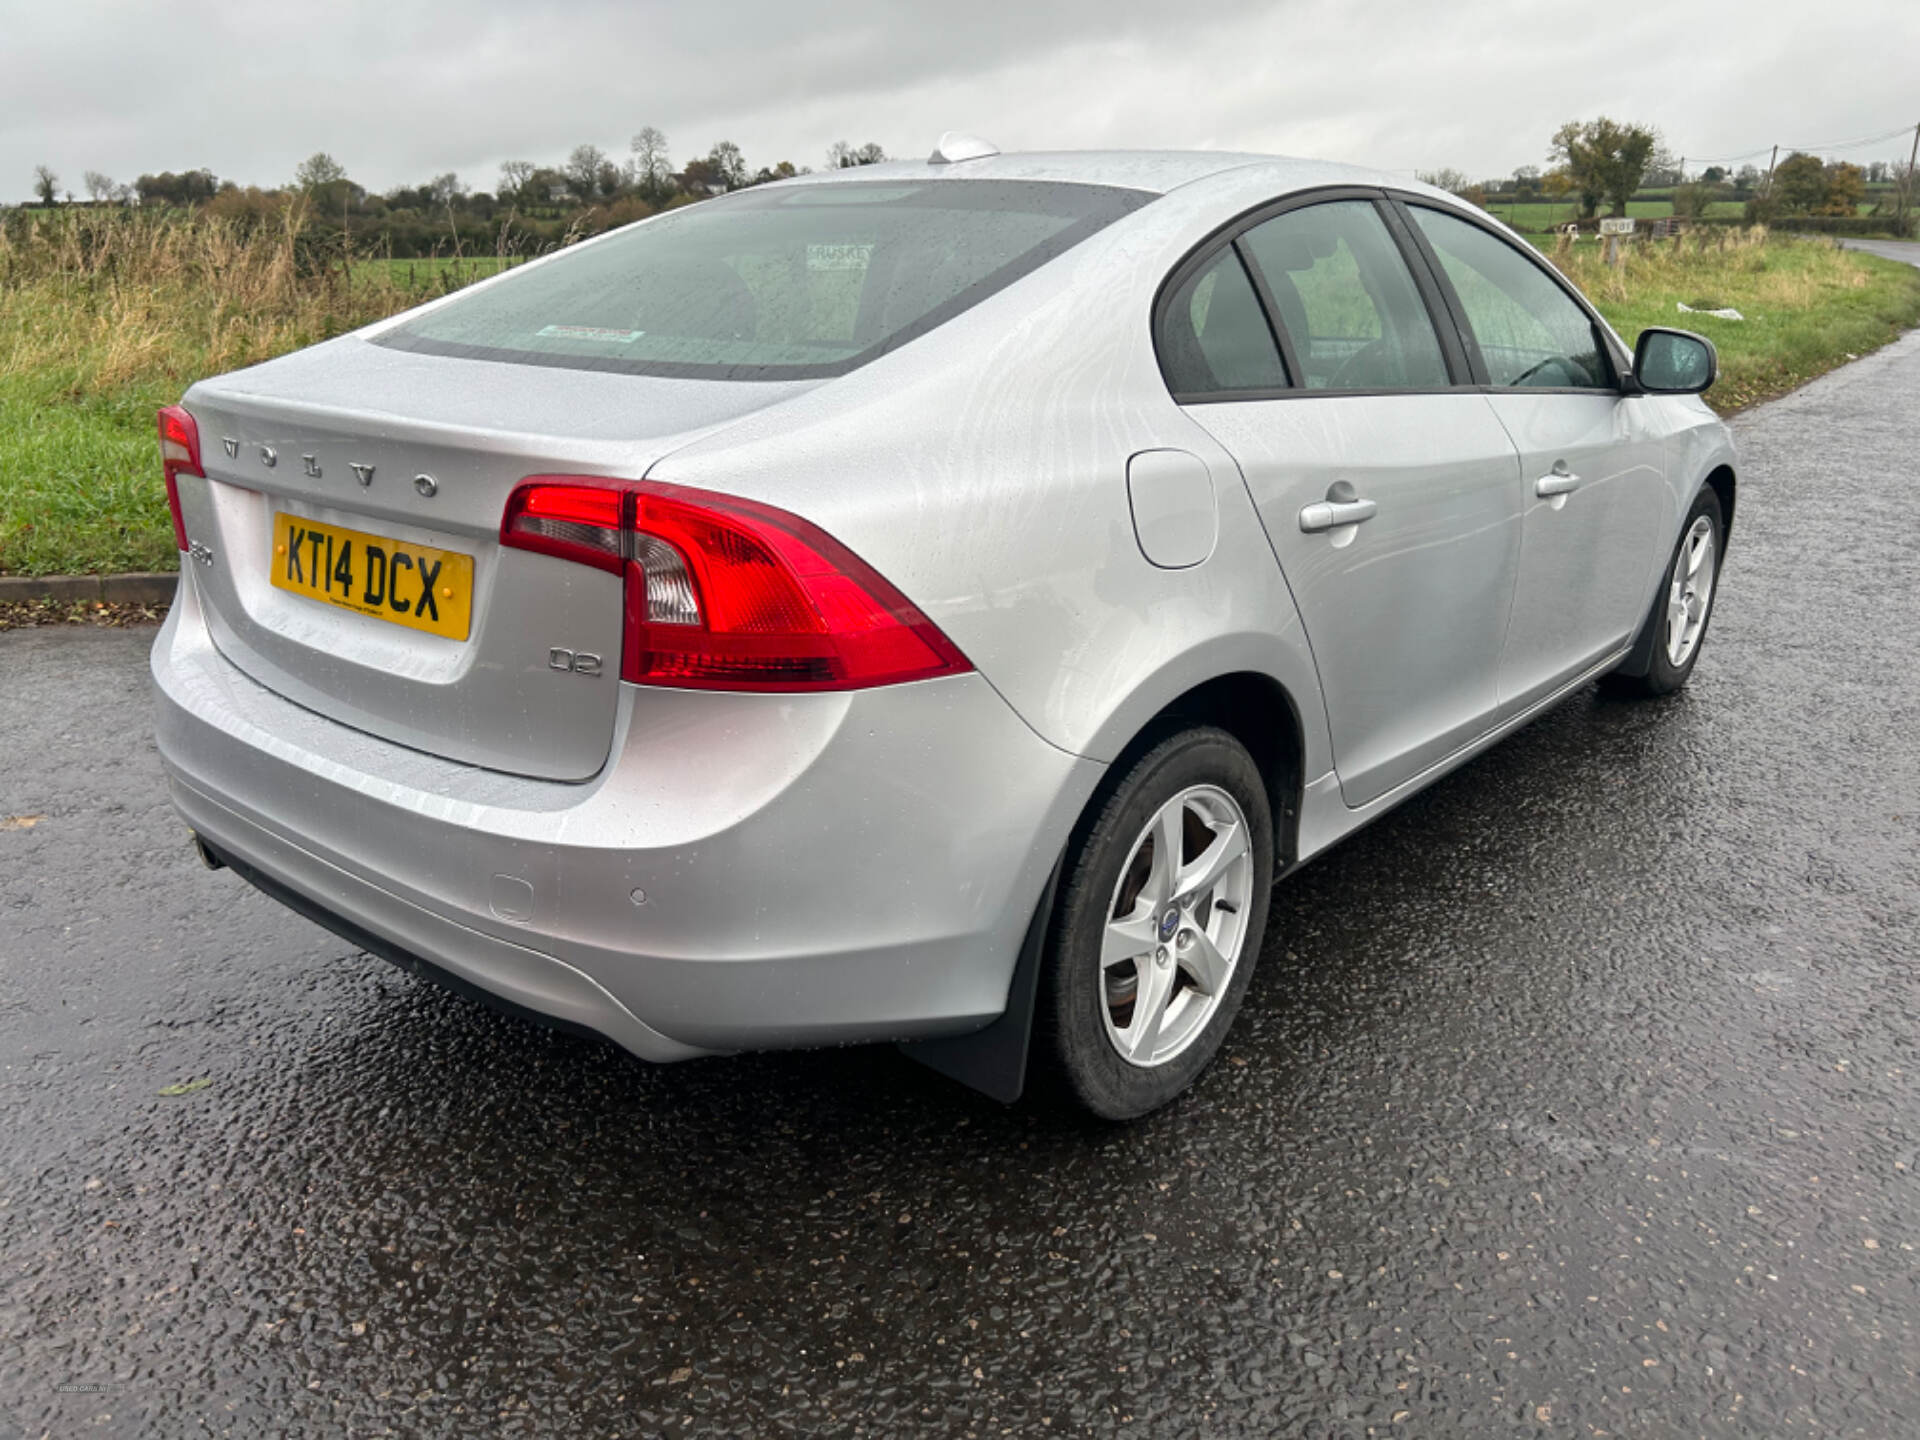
x=1529 y=330
x=1347 y=300
x=1214 y=336
x=793 y=282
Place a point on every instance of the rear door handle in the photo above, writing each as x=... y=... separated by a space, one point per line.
x=1561 y=482
x=1330 y=514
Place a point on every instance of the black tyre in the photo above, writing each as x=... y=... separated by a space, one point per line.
x=1162 y=907
x=1676 y=627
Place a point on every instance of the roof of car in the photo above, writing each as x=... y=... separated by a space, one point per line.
x=1157 y=171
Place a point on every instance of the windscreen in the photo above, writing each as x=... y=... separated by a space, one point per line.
x=776 y=284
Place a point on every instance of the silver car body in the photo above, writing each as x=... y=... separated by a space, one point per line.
x=690 y=871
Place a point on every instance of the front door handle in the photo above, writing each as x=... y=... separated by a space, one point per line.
x=1561 y=481
x=1330 y=514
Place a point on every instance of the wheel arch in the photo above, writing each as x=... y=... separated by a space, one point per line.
x=1253 y=707
x=1258 y=711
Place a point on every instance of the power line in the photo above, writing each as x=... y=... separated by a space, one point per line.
x=1825 y=147
x=1856 y=144
x=1729 y=159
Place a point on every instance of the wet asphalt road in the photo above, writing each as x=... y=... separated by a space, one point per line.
x=1903 y=250
x=1579 y=1097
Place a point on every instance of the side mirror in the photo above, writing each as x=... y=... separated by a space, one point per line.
x=1674 y=362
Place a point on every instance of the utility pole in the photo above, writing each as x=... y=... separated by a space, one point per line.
x=1906 y=190
x=1770 y=164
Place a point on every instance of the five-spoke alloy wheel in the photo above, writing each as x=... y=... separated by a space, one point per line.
x=1161 y=911
x=1690 y=591
x=1178 y=925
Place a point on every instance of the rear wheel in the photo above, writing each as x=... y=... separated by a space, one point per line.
x=1162 y=909
x=1683 y=606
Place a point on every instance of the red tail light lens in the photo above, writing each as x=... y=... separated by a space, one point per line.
x=729 y=594
x=179 y=455
x=576 y=520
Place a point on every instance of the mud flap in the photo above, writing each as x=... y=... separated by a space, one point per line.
x=993 y=1060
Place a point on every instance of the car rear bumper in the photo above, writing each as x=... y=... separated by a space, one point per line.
x=747 y=871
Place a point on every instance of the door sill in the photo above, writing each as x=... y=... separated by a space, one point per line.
x=1326 y=818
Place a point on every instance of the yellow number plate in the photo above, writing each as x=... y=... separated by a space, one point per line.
x=394 y=580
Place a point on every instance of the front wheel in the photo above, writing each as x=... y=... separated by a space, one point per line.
x=1684 y=605
x=1162 y=909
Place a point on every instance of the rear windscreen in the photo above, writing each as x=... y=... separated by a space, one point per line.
x=776 y=284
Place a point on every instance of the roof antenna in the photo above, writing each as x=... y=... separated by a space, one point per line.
x=957 y=145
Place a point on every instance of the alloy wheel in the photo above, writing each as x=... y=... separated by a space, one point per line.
x=1690 y=592
x=1177 y=925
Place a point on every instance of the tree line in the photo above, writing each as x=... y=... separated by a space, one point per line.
x=1592 y=164
x=1604 y=162
x=532 y=205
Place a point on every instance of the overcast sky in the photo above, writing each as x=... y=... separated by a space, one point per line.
x=399 y=91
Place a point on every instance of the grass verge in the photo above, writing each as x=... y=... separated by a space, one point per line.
x=1807 y=306
x=104 y=317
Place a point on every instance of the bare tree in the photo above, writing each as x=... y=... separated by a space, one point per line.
x=729 y=165
x=583 y=169
x=1454 y=182
x=1662 y=168
x=514 y=175
x=99 y=187
x=46 y=184
x=651 y=165
x=446 y=188
x=842 y=156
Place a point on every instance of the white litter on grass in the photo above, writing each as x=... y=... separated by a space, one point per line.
x=1727 y=314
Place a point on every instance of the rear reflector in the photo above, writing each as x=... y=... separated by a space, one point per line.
x=729 y=594
x=179 y=455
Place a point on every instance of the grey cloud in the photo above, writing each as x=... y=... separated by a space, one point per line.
x=400 y=91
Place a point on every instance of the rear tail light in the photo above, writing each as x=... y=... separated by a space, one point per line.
x=576 y=520
x=179 y=455
x=729 y=594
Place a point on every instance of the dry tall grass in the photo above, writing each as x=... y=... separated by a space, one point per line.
x=1765 y=269
x=98 y=301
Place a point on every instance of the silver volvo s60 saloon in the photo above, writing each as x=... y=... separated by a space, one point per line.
x=928 y=603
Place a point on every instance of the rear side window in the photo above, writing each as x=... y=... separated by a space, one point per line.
x=1347 y=300
x=1214 y=336
x=1529 y=330
x=782 y=283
